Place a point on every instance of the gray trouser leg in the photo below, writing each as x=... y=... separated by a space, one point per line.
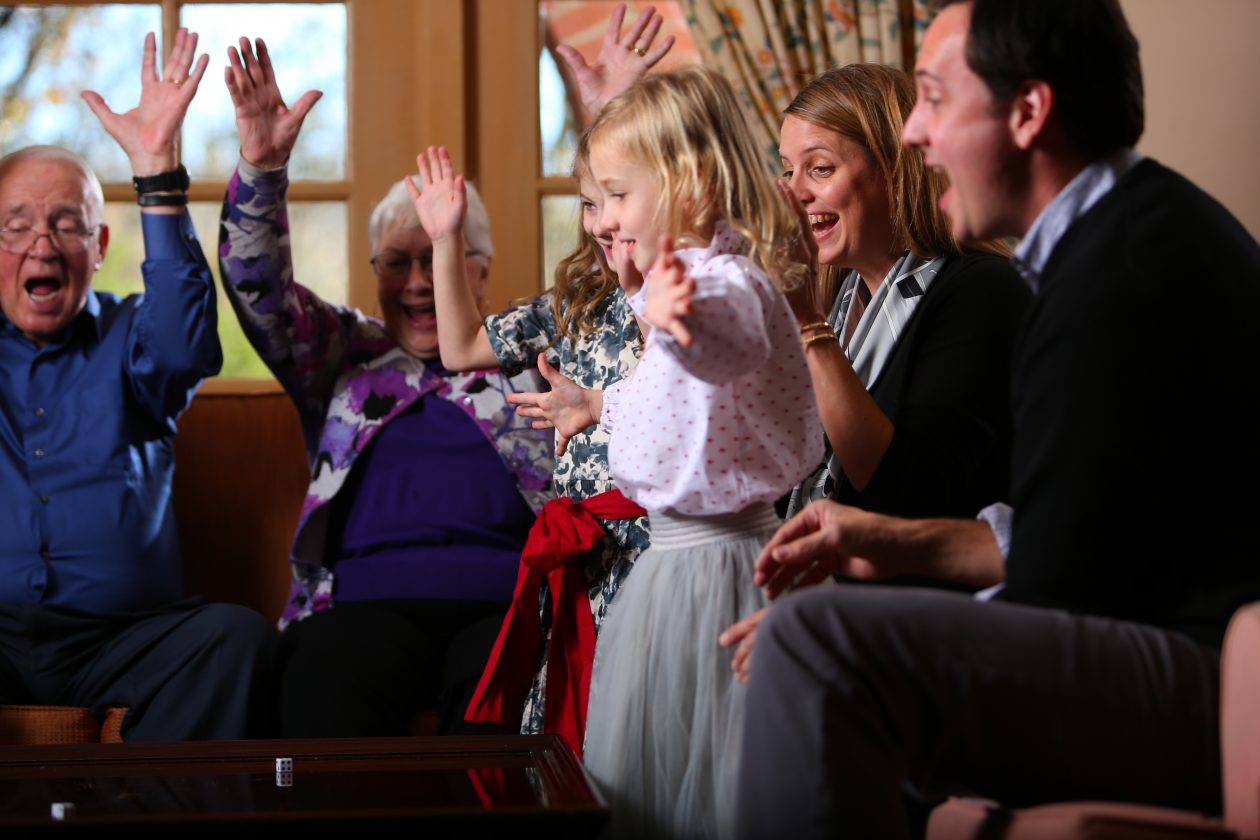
x=857 y=690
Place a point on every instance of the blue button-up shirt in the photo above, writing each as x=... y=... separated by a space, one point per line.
x=87 y=428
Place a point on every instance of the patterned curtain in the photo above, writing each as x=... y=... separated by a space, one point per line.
x=769 y=48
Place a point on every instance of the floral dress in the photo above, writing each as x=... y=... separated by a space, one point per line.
x=597 y=359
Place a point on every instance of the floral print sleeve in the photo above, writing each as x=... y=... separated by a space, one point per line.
x=306 y=342
x=519 y=334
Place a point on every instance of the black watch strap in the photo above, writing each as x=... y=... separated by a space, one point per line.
x=172 y=180
x=162 y=200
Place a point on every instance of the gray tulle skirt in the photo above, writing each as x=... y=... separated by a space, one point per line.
x=665 y=710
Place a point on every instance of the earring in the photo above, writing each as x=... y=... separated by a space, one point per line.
x=96 y=266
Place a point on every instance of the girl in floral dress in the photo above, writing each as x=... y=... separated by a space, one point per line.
x=582 y=330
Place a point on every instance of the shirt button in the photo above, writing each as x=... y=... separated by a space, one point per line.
x=39 y=453
x=44 y=553
x=39 y=412
x=43 y=499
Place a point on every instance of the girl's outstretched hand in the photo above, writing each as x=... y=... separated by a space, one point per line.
x=669 y=292
x=567 y=407
x=443 y=200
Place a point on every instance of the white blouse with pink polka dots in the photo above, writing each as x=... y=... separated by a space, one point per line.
x=729 y=421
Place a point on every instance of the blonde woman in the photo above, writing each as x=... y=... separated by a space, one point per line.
x=909 y=336
x=911 y=356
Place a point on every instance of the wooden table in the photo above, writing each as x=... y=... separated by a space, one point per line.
x=375 y=785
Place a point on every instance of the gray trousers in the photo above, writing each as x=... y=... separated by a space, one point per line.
x=860 y=693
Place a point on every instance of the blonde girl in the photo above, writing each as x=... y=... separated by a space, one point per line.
x=716 y=423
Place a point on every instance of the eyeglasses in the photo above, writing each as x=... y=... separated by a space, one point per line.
x=68 y=239
x=396 y=264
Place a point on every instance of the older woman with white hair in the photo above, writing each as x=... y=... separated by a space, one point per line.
x=424 y=482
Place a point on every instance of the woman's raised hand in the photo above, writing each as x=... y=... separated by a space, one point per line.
x=622 y=59
x=442 y=200
x=267 y=127
x=802 y=295
x=669 y=292
x=148 y=132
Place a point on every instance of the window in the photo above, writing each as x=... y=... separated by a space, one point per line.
x=581 y=25
x=477 y=76
x=49 y=52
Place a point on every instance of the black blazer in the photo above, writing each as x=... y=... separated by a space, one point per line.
x=1136 y=449
x=946 y=389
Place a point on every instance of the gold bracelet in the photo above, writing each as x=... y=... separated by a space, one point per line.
x=813 y=325
x=814 y=339
x=814 y=329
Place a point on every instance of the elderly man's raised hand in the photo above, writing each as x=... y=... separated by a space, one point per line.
x=443 y=200
x=267 y=127
x=149 y=131
x=623 y=58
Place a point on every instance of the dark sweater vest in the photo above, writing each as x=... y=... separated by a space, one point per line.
x=1136 y=451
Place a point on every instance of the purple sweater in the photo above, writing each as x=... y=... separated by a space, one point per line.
x=428 y=511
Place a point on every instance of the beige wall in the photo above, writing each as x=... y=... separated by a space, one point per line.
x=1201 y=66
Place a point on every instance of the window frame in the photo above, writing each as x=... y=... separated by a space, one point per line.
x=449 y=72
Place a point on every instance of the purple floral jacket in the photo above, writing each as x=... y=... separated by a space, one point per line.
x=345 y=375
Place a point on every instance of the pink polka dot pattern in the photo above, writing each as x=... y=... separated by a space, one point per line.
x=730 y=420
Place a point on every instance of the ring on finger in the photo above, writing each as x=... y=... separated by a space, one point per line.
x=639 y=51
x=176 y=82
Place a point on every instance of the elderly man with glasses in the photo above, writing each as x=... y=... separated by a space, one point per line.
x=92 y=608
x=424 y=482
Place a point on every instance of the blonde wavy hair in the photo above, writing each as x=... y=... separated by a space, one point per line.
x=583 y=280
x=868 y=104
x=688 y=127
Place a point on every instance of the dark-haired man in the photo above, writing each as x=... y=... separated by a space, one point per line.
x=1093 y=674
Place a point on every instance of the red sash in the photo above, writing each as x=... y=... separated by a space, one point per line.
x=564 y=534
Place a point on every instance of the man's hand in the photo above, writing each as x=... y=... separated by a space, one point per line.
x=567 y=407
x=267 y=127
x=669 y=292
x=823 y=539
x=622 y=59
x=742 y=635
x=148 y=132
x=442 y=203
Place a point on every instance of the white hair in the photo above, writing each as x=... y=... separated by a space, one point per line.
x=95 y=196
x=396 y=208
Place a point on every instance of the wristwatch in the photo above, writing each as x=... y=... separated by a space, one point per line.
x=173 y=180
